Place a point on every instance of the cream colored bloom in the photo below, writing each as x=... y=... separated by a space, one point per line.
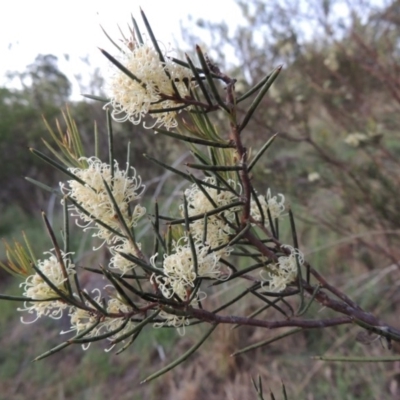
x=132 y=100
x=218 y=229
x=36 y=288
x=172 y=320
x=93 y=196
x=199 y=204
x=169 y=286
x=180 y=276
x=284 y=272
x=356 y=139
x=275 y=205
x=116 y=306
x=313 y=177
x=180 y=264
x=119 y=262
x=83 y=319
x=180 y=273
x=331 y=61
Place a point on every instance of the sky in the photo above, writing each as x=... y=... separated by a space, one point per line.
x=29 y=28
x=32 y=27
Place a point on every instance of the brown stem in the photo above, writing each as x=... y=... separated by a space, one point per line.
x=333 y=290
x=205 y=315
x=358 y=316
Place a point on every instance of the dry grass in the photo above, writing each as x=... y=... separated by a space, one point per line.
x=211 y=373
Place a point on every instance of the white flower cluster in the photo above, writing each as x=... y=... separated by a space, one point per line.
x=132 y=100
x=118 y=262
x=179 y=267
x=284 y=272
x=275 y=205
x=313 y=177
x=82 y=319
x=172 y=320
x=93 y=197
x=36 y=288
x=179 y=270
x=356 y=139
x=218 y=229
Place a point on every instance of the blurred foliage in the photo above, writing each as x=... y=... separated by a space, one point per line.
x=44 y=90
x=335 y=107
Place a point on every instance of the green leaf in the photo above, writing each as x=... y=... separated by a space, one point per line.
x=157 y=48
x=199 y=80
x=122 y=68
x=97 y=98
x=110 y=39
x=256 y=102
x=261 y=152
x=266 y=342
x=357 y=359
x=194 y=140
x=138 y=35
x=182 y=358
x=67 y=343
x=209 y=78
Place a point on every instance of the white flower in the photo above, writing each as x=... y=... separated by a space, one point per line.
x=172 y=320
x=275 y=205
x=199 y=204
x=36 y=288
x=218 y=229
x=180 y=264
x=331 y=61
x=118 y=261
x=284 y=271
x=356 y=139
x=313 y=177
x=82 y=319
x=180 y=273
x=132 y=100
x=116 y=306
x=93 y=196
x=180 y=276
x=171 y=286
x=168 y=288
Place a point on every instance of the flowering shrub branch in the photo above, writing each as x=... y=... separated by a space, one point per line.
x=223 y=230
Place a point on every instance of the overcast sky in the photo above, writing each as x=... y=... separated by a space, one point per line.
x=32 y=27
